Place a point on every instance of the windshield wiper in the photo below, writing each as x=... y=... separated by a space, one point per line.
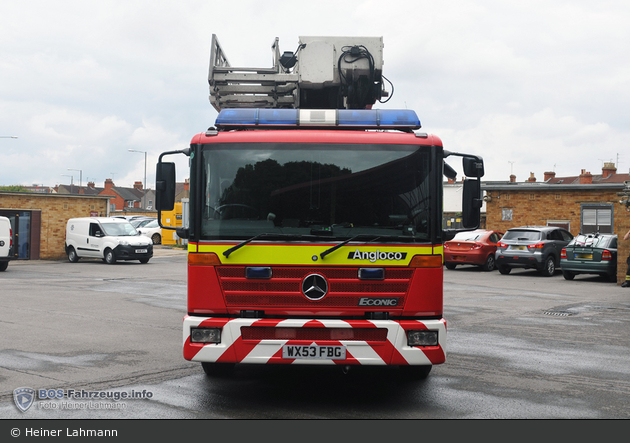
x=227 y=252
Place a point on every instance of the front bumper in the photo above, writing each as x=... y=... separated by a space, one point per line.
x=130 y=252
x=393 y=351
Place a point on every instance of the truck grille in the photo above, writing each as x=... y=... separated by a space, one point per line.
x=284 y=288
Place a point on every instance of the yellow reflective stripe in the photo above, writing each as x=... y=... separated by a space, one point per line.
x=375 y=255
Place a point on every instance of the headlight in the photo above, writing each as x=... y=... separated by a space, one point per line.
x=422 y=338
x=205 y=335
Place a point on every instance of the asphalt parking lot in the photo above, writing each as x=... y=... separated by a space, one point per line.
x=518 y=346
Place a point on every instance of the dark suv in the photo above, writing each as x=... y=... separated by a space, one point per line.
x=532 y=247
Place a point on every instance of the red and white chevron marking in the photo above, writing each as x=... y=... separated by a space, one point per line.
x=394 y=351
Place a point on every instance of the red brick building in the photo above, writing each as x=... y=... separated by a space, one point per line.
x=123 y=198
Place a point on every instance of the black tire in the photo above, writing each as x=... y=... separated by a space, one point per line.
x=72 y=255
x=505 y=270
x=490 y=264
x=4 y=265
x=156 y=239
x=450 y=266
x=110 y=257
x=416 y=372
x=550 y=267
x=218 y=369
x=568 y=275
x=144 y=260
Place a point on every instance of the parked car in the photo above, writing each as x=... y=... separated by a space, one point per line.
x=536 y=247
x=472 y=248
x=140 y=222
x=153 y=231
x=590 y=254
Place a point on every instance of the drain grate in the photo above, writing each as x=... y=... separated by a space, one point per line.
x=558 y=313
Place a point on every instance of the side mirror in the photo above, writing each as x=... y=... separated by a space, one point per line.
x=471 y=204
x=449 y=172
x=473 y=167
x=165 y=186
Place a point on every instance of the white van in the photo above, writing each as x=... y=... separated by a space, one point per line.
x=109 y=239
x=6 y=243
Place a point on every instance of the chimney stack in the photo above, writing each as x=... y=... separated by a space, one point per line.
x=549 y=175
x=109 y=183
x=138 y=186
x=608 y=169
x=512 y=178
x=531 y=178
x=586 y=178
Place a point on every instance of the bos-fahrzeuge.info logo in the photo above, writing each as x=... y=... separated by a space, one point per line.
x=75 y=398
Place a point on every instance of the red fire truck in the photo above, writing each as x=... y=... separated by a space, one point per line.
x=315 y=221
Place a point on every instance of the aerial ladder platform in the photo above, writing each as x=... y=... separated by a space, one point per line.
x=323 y=73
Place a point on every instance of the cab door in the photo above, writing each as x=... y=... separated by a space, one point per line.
x=94 y=244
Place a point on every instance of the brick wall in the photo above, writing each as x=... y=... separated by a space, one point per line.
x=538 y=207
x=55 y=209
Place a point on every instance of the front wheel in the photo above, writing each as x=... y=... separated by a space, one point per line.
x=450 y=265
x=416 y=372
x=144 y=261
x=568 y=275
x=110 y=258
x=4 y=265
x=156 y=239
x=217 y=369
x=505 y=270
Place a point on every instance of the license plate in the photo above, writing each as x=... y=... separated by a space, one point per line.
x=314 y=352
x=141 y=251
x=519 y=248
x=584 y=256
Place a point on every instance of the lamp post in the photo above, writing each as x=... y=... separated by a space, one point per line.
x=144 y=185
x=80 y=176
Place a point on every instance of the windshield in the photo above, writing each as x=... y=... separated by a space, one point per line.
x=318 y=191
x=119 y=229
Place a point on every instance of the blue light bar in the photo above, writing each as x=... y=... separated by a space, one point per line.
x=357 y=118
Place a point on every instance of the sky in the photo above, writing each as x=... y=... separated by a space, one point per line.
x=530 y=86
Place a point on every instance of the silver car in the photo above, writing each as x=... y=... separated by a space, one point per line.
x=536 y=247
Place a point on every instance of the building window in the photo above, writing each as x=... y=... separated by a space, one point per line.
x=506 y=214
x=565 y=224
x=597 y=218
